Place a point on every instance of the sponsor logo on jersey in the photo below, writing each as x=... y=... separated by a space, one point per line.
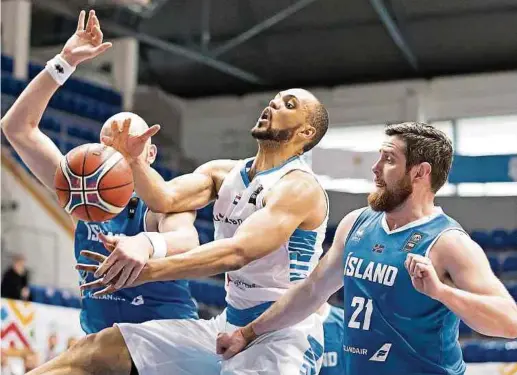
x=330 y=359
x=415 y=238
x=241 y=284
x=354 y=350
x=378 y=248
x=253 y=197
x=356 y=237
x=224 y=219
x=382 y=354
x=373 y=271
x=137 y=301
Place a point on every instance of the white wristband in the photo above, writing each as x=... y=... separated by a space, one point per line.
x=59 y=69
x=159 y=244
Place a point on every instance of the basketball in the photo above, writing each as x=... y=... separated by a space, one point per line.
x=93 y=182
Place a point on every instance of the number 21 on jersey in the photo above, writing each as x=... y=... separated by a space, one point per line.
x=361 y=304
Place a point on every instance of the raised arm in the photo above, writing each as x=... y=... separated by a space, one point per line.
x=300 y=301
x=185 y=193
x=477 y=296
x=297 y=199
x=20 y=123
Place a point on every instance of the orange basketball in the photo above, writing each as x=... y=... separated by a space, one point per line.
x=93 y=182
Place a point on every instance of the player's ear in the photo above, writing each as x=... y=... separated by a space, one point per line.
x=152 y=153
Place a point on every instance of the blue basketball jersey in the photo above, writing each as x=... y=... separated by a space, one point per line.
x=390 y=327
x=333 y=332
x=157 y=300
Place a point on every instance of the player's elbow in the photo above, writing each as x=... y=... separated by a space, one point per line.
x=240 y=256
x=160 y=204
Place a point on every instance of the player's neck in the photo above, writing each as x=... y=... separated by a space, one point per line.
x=270 y=157
x=412 y=209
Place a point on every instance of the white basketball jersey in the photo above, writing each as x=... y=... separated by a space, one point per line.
x=264 y=279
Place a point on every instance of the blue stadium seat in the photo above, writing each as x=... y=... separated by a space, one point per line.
x=53 y=297
x=510 y=351
x=494 y=263
x=482 y=238
x=74 y=132
x=490 y=351
x=7 y=63
x=513 y=239
x=37 y=293
x=500 y=239
x=11 y=85
x=510 y=263
x=34 y=70
x=56 y=141
x=512 y=288
x=70 y=300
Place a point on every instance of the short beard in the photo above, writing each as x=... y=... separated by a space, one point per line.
x=274 y=135
x=387 y=199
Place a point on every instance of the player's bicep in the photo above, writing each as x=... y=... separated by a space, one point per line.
x=39 y=153
x=467 y=265
x=272 y=226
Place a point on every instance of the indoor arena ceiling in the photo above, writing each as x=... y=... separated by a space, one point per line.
x=206 y=47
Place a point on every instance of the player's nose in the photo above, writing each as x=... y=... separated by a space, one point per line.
x=274 y=104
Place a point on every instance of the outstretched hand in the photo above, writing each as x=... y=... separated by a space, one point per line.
x=127 y=259
x=86 y=43
x=129 y=145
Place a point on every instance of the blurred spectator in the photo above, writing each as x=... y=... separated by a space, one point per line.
x=16 y=280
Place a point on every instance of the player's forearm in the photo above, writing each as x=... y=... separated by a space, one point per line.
x=206 y=260
x=297 y=304
x=151 y=187
x=20 y=126
x=488 y=315
x=25 y=114
x=180 y=241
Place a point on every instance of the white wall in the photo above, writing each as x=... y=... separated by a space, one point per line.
x=208 y=123
x=471 y=212
x=33 y=232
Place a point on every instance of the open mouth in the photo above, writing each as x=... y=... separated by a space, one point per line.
x=266 y=115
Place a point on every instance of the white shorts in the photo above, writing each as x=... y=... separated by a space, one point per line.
x=187 y=347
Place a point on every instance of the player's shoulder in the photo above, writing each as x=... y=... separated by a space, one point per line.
x=349 y=220
x=453 y=243
x=453 y=238
x=299 y=187
x=218 y=166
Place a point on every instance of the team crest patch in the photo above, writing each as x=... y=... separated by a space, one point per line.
x=378 y=248
x=237 y=199
x=411 y=243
